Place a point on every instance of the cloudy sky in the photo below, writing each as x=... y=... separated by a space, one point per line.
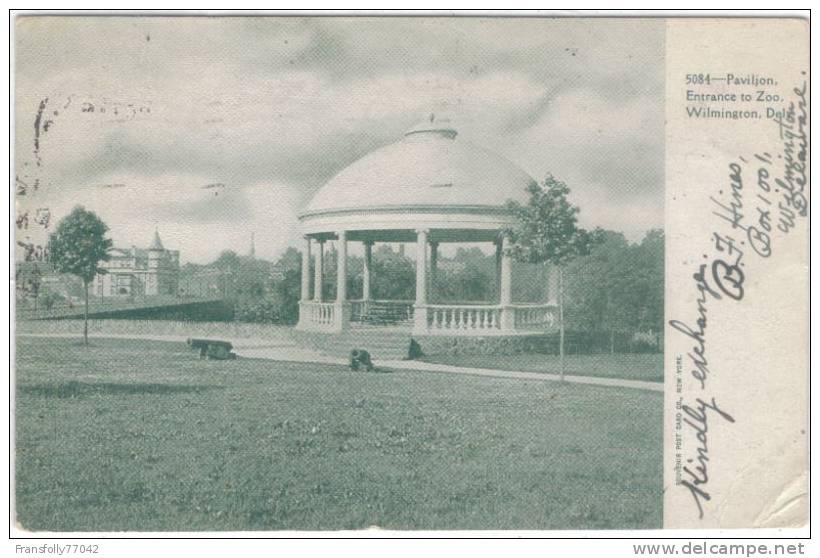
x=210 y=128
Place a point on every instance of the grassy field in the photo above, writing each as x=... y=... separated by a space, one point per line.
x=135 y=435
x=648 y=367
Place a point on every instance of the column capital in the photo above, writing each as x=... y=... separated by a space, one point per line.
x=341 y=234
x=422 y=231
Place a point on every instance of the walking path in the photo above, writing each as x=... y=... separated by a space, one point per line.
x=286 y=350
x=517 y=375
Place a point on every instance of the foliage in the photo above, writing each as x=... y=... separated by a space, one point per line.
x=79 y=244
x=52 y=298
x=470 y=277
x=286 y=292
x=262 y=310
x=547 y=232
x=612 y=294
x=77 y=247
x=355 y=268
x=393 y=276
x=228 y=260
x=251 y=278
x=618 y=287
x=547 y=228
x=261 y=299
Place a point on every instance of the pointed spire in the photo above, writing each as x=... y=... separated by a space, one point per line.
x=156 y=244
x=252 y=251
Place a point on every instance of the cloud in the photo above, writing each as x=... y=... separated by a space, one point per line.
x=272 y=107
x=609 y=151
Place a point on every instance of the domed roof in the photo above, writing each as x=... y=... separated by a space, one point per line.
x=429 y=166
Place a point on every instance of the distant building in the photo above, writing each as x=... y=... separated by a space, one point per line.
x=136 y=271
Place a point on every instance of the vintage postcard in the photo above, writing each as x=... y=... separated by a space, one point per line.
x=319 y=273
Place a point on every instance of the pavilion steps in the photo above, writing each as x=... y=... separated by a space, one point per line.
x=381 y=342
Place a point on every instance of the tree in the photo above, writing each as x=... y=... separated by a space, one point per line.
x=227 y=264
x=393 y=276
x=286 y=292
x=36 y=282
x=598 y=287
x=547 y=232
x=228 y=260
x=77 y=246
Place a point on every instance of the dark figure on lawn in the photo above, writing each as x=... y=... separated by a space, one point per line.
x=360 y=357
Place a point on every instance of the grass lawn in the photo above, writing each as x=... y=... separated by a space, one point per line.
x=135 y=435
x=647 y=367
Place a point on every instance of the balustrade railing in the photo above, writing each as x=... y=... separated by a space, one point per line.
x=456 y=319
x=433 y=319
x=320 y=315
x=535 y=316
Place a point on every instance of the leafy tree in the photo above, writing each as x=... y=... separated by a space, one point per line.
x=653 y=251
x=470 y=277
x=355 y=269
x=618 y=287
x=35 y=282
x=29 y=280
x=547 y=232
x=286 y=292
x=228 y=260
x=77 y=246
x=393 y=276
x=598 y=288
x=251 y=278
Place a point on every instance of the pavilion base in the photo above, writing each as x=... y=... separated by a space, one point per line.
x=394 y=343
x=516 y=343
x=330 y=317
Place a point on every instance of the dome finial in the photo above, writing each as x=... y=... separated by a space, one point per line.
x=438 y=126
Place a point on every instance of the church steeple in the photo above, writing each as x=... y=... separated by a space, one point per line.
x=252 y=249
x=156 y=244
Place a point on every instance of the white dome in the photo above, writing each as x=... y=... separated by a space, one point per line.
x=429 y=167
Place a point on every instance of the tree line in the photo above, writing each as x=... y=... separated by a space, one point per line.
x=610 y=291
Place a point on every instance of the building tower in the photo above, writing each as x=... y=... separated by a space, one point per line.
x=155 y=251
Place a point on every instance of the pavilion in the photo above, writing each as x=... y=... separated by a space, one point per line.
x=429 y=187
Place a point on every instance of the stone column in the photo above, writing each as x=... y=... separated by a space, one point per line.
x=306 y=271
x=341 y=267
x=343 y=309
x=420 y=310
x=505 y=280
x=498 y=251
x=318 y=271
x=433 y=270
x=505 y=287
x=368 y=266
